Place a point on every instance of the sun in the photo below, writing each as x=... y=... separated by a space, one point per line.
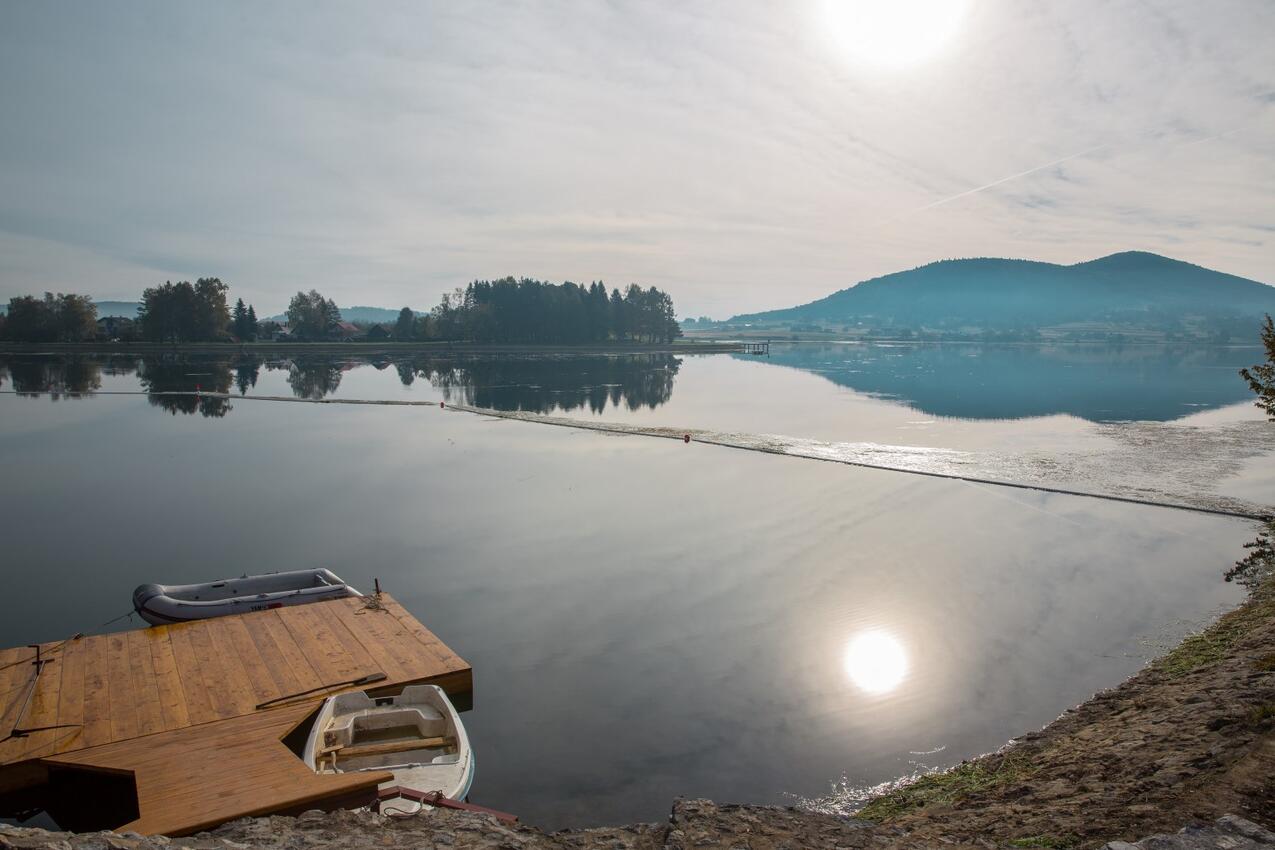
x=891 y=34
x=876 y=662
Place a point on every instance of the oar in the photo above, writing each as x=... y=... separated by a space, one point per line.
x=362 y=680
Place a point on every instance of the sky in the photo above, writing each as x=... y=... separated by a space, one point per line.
x=739 y=155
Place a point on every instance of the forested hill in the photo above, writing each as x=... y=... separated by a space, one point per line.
x=1133 y=288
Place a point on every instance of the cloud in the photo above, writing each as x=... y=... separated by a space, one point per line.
x=725 y=152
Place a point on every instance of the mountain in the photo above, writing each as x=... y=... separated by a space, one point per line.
x=127 y=309
x=1133 y=288
x=363 y=315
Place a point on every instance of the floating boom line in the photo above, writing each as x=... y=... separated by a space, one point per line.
x=764 y=444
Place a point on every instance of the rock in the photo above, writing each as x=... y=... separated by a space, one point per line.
x=1228 y=832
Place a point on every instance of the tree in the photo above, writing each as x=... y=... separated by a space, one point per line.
x=243 y=321
x=405 y=327
x=239 y=320
x=211 y=315
x=53 y=318
x=312 y=316
x=1259 y=564
x=1262 y=376
x=76 y=317
x=180 y=312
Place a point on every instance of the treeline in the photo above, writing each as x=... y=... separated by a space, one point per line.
x=532 y=311
x=53 y=318
x=501 y=311
x=172 y=312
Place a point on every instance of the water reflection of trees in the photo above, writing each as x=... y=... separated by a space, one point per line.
x=541 y=384
x=536 y=384
x=314 y=378
x=177 y=374
x=68 y=377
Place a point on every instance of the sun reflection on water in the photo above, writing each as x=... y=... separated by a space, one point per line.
x=876 y=662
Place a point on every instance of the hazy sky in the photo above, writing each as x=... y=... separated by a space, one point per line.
x=740 y=155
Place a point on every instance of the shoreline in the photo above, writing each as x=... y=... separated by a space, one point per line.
x=1187 y=740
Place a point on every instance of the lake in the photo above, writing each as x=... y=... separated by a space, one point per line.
x=649 y=619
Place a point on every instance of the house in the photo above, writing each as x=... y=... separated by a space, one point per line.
x=275 y=332
x=115 y=327
x=345 y=330
x=378 y=333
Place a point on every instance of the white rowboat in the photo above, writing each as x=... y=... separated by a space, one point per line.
x=416 y=735
x=161 y=604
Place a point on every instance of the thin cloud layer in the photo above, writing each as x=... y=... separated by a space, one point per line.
x=726 y=152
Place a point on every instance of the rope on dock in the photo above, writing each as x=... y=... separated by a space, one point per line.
x=729 y=441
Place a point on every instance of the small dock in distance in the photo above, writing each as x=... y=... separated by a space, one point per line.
x=170 y=719
x=757 y=348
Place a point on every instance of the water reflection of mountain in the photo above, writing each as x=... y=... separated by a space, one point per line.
x=1097 y=383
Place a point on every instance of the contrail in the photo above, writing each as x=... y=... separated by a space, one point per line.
x=978 y=189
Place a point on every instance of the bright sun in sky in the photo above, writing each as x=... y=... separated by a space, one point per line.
x=875 y=662
x=892 y=33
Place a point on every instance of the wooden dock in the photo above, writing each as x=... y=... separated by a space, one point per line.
x=175 y=708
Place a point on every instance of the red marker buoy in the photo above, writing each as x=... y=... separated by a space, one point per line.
x=442 y=404
x=686 y=438
x=197 y=389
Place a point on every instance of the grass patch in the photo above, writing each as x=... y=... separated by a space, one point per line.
x=1212 y=644
x=1060 y=843
x=961 y=781
x=1261 y=714
x=1266 y=663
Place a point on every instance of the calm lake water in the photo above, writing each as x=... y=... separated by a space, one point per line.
x=648 y=619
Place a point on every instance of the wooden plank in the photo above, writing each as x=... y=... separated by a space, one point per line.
x=123 y=693
x=379 y=632
x=172 y=697
x=212 y=670
x=15 y=677
x=70 y=717
x=149 y=706
x=390 y=747
x=271 y=625
x=199 y=704
x=327 y=656
x=97 y=694
x=260 y=680
x=235 y=684
x=285 y=680
x=43 y=708
x=360 y=658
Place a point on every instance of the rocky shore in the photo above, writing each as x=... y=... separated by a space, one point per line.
x=1188 y=743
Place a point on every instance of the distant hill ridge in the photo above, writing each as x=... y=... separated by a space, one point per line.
x=363 y=315
x=1133 y=287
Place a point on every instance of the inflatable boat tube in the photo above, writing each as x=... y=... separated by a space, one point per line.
x=161 y=604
